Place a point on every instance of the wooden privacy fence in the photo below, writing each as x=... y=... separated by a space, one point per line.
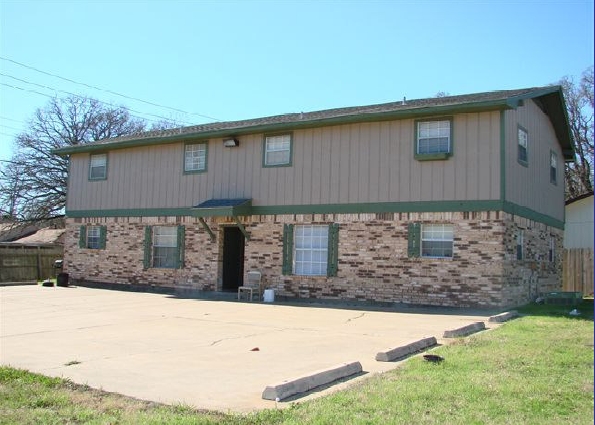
x=23 y=263
x=577 y=269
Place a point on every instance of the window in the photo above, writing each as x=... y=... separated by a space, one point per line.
x=523 y=136
x=195 y=157
x=310 y=250
x=433 y=139
x=552 y=250
x=553 y=168
x=436 y=240
x=519 y=245
x=277 y=150
x=164 y=247
x=98 y=167
x=92 y=237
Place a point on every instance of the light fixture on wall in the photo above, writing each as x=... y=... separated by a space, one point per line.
x=231 y=143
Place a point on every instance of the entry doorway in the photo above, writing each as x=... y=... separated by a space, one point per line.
x=233 y=259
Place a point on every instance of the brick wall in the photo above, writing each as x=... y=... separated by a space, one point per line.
x=373 y=262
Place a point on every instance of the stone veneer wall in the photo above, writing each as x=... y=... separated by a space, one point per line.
x=373 y=261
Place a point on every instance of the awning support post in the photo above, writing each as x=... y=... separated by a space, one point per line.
x=242 y=228
x=206 y=227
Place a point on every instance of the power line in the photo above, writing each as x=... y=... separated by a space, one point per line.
x=9 y=127
x=74 y=94
x=106 y=90
x=160 y=118
x=9 y=119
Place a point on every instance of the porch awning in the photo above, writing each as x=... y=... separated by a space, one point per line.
x=223 y=208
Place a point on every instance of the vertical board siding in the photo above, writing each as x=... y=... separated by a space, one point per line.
x=577 y=270
x=530 y=186
x=351 y=163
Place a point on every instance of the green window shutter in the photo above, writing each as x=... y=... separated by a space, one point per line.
x=102 y=236
x=181 y=244
x=83 y=237
x=287 y=249
x=333 y=250
x=148 y=245
x=414 y=240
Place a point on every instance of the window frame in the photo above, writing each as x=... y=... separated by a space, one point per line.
x=93 y=241
x=431 y=156
x=171 y=249
x=553 y=168
x=84 y=236
x=104 y=177
x=311 y=250
x=423 y=241
x=265 y=140
x=206 y=157
x=332 y=260
x=523 y=161
x=552 y=250
x=520 y=245
x=179 y=248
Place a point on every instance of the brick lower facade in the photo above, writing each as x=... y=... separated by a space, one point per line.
x=373 y=261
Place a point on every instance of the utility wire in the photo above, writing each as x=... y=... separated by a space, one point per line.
x=9 y=119
x=107 y=91
x=160 y=118
x=73 y=94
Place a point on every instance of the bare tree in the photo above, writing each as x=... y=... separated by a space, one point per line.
x=34 y=181
x=579 y=103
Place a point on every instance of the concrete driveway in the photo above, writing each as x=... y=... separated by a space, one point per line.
x=216 y=355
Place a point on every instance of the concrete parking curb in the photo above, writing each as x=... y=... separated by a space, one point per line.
x=405 y=350
x=306 y=383
x=465 y=330
x=503 y=317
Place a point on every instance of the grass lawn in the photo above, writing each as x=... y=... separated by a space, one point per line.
x=537 y=369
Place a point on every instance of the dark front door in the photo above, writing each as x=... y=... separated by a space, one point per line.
x=233 y=258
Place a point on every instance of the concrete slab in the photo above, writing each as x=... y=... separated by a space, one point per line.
x=200 y=352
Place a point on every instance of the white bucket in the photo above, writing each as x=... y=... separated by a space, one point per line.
x=269 y=295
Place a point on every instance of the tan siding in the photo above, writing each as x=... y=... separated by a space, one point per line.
x=530 y=186
x=355 y=163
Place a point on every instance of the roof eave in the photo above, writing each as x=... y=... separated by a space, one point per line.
x=290 y=125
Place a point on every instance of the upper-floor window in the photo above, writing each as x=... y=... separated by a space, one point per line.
x=195 y=157
x=433 y=139
x=277 y=150
x=523 y=150
x=98 y=167
x=553 y=168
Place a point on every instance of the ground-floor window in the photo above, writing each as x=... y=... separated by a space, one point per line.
x=92 y=237
x=164 y=247
x=310 y=250
x=436 y=240
x=430 y=240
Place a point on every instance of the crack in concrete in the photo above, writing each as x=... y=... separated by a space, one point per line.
x=356 y=317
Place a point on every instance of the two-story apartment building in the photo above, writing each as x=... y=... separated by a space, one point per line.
x=451 y=201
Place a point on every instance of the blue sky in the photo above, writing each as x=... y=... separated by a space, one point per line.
x=234 y=60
